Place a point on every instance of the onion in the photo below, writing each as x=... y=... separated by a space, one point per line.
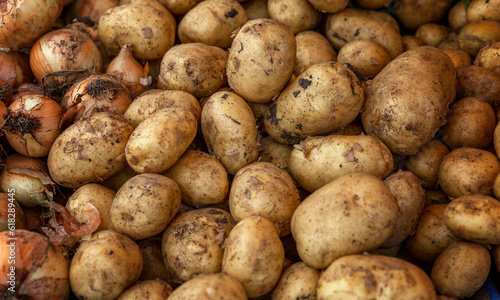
x=15 y=68
x=41 y=271
x=89 y=11
x=10 y=210
x=32 y=125
x=24 y=21
x=3 y=115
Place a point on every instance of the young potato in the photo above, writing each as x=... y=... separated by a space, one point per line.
x=478 y=82
x=256 y=9
x=97 y=195
x=411 y=42
x=431 y=34
x=323 y=225
x=160 y=140
x=298 y=15
x=154 y=267
x=211 y=287
x=104 y=266
x=90 y=150
x=479 y=10
x=274 y=152
x=450 y=42
x=474 y=35
x=145 y=205
x=179 y=7
x=405 y=115
x=457 y=16
x=368 y=57
x=413 y=13
x=229 y=130
x=297 y=282
x=212 y=22
x=470 y=123
x=195 y=68
x=329 y=6
x=374 y=277
x=193 y=243
x=151 y=101
x=467 y=171
x=151 y=289
x=488 y=56
x=263 y=189
x=373 y=4
x=432 y=235
x=312 y=48
x=458 y=57
x=318 y=160
x=325 y=97
x=261 y=58
x=351 y=24
x=461 y=269
x=425 y=163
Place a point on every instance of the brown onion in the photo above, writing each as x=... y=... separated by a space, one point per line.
x=3 y=115
x=15 y=68
x=11 y=213
x=32 y=265
x=89 y=11
x=32 y=125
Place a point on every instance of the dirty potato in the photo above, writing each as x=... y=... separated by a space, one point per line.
x=312 y=48
x=297 y=282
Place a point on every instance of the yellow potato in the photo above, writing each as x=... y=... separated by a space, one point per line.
x=154 y=267
x=457 y=16
x=368 y=57
x=479 y=10
x=298 y=15
x=425 y=163
x=297 y=282
x=312 y=48
x=474 y=35
x=218 y=286
x=488 y=56
x=151 y=289
x=413 y=13
x=431 y=34
x=459 y=57
x=411 y=42
x=478 y=82
x=329 y=6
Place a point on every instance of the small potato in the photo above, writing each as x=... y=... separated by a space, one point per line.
x=298 y=15
x=431 y=34
x=145 y=205
x=263 y=189
x=411 y=42
x=256 y=9
x=474 y=35
x=488 y=56
x=479 y=10
x=457 y=16
x=329 y=6
x=154 y=267
x=217 y=286
x=274 y=152
x=425 y=163
x=297 y=282
x=432 y=235
x=475 y=218
x=147 y=290
x=374 y=277
x=458 y=57
x=160 y=140
x=461 y=269
x=312 y=48
x=413 y=13
x=467 y=171
x=368 y=57
x=179 y=7
x=318 y=160
x=116 y=181
x=470 y=123
x=478 y=82
x=436 y=196
x=450 y=42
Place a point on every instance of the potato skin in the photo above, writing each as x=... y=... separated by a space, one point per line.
x=392 y=112
x=218 y=286
x=431 y=34
x=368 y=57
x=298 y=15
x=474 y=35
x=357 y=197
x=312 y=48
x=297 y=282
x=483 y=10
x=413 y=13
x=425 y=163
x=478 y=82
x=329 y=6
x=458 y=57
x=150 y=289
x=488 y=56
x=374 y=276
x=318 y=160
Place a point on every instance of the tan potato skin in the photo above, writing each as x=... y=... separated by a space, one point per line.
x=298 y=15
x=179 y=7
x=212 y=286
x=325 y=97
x=256 y=9
x=400 y=109
x=431 y=34
x=297 y=282
x=154 y=267
x=374 y=277
x=413 y=13
x=318 y=160
x=368 y=57
x=151 y=290
x=479 y=10
x=323 y=225
x=254 y=255
x=457 y=16
x=488 y=56
x=472 y=36
x=425 y=163
x=411 y=42
x=372 y=4
x=478 y=82
x=329 y=6
x=459 y=57
x=312 y=48
x=274 y=152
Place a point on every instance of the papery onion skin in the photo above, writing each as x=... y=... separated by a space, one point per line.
x=41 y=271
x=89 y=11
x=15 y=68
x=15 y=211
x=3 y=115
x=24 y=21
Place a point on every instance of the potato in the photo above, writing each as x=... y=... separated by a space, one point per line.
x=479 y=10
x=450 y=42
x=179 y=7
x=436 y=196
x=297 y=282
x=90 y=150
x=325 y=97
x=312 y=48
x=105 y=266
x=212 y=23
x=322 y=227
x=353 y=128
x=154 y=267
x=149 y=30
x=97 y=195
x=373 y=4
x=116 y=181
x=461 y=269
x=254 y=255
x=475 y=218
x=195 y=68
x=470 y=123
x=425 y=163
x=211 y=287
x=256 y=9
x=154 y=3
x=410 y=196
x=160 y=140
x=229 y=130
x=263 y=189
x=474 y=35
x=329 y=6
x=274 y=152
x=467 y=171
x=351 y=24
x=145 y=205
x=318 y=160
x=457 y=16
x=478 y=82
x=431 y=34
x=261 y=58
x=432 y=235
x=411 y=42
x=151 y=101
x=374 y=277
x=151 y=289
x=458 y=57
x=368 y=57
x=298 y=15
x=488 y=56
x=413 y=13
x=405 y=115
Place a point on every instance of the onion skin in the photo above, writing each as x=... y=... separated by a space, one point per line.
x=20 y=221
x=15 y=68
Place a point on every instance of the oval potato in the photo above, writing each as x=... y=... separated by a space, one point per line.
x=297 y=282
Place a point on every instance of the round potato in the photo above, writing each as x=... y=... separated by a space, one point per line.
x=145 y=205
x=425 y=163
x=217 y=286
x=479 y=10
x=413 y=13
x=458 y=57
x=312 y=48
x=457 y=16
x=150 y=290
x=329 y=6
x=367 y=57
x=274 y=152
x=298 y=15
x=261 y=58
x=431 y=34
x=478 y=82
x=474 y=35
x=297 y=282
x=488 y=56
x=411 y=42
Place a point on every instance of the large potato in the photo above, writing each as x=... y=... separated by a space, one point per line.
x=425 y=163
x=407 y=101
x=261 y=58
x=352 y=214
x=325 y=97
x=318 y=160
x=217 y=286
x=297 y=282
x=312 y=48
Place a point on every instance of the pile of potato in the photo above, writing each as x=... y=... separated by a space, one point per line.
x=282 y=149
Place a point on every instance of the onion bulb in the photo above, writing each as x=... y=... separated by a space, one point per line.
x=14 y=68
x=41 y=271
x=130 y=71
x=3 y=115
x=10 y=210
x=29 y=178
x=32 y=125
x=89 y=11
